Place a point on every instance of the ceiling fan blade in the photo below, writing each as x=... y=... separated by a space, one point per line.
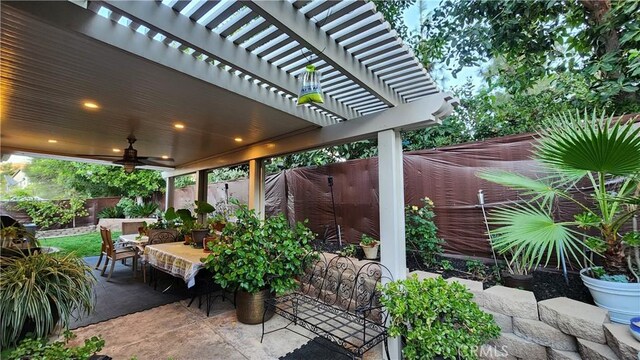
x=153 y=163
x=155 y=158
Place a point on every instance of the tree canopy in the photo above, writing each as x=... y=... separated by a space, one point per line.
x=93 y=180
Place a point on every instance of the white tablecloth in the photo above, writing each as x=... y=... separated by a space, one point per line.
x=176 y=259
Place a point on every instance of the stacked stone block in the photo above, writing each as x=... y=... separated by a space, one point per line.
x=554 y=329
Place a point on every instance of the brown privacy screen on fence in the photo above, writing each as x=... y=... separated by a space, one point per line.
x=446 y=175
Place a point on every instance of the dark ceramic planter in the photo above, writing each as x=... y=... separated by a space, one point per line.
x=524 y=282
x=198 y=236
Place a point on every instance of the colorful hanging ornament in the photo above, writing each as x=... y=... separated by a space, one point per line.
x=310 y=92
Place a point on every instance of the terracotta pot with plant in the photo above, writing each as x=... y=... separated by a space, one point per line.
x=591 y=163
x=370 y=247
x=262 y=258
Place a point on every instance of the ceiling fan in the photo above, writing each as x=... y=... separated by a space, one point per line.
x=130 y=158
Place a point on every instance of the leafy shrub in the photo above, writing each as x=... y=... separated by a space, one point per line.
x=42 y=289
x=477 y=269
x=260 y=254
x=446 y=265
x=46 y=213
x=421 y=232
x=126 y=205
x=40 y=349
x=348 y=251
x=113 y=212
x=436 y=318
x=142 y=210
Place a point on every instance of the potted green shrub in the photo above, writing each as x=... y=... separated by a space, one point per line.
x=166 y=222
x=195 y=224
x=39 y=291
x=436 y=319
x=370 y=247
x=592 y=163
x=261 y=258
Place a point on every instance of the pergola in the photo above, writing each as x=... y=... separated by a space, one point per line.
x=226 y=70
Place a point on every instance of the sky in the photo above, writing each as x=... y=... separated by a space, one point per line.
x=412 y=19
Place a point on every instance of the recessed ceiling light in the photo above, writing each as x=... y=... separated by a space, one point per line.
x=115 y=150
x=90 y=105
x=271 y=145
x=52 y=141
x=178 y=126
x=165 y=157
x=238 y=139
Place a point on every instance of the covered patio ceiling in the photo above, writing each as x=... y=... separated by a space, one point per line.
x=224 y=69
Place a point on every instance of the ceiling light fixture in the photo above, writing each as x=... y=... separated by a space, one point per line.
x=52 y=141
x=238 y=139
x=165 y=157
x=178 y=126
x=115 y=150
x=91 y=105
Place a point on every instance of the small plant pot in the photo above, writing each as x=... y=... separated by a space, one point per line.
x=205 y=243
x=524 y=282
x=187 y=239
x=370 y=251
x=198 y=236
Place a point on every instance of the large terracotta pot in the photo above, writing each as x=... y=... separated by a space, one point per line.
x=250 y=307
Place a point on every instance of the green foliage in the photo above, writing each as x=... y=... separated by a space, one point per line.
x=40 y=349
x=421 y=232
x=126 y=205
x=349 y=251
x=112 y=212
x=92 y=180
x=477 y=269
x=46 y=213
x=142 y=210
x=446 y=265
x=573 y=148
x=534 y=40
x=259 y=254
x=367 y=240
x=37 y=286
x=436 y=318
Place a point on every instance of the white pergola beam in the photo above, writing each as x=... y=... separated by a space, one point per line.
x=421 y=113
x=71 y=17
x=292 y=22
x=159 y=17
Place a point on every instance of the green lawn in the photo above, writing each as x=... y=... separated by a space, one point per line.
x=82 y=245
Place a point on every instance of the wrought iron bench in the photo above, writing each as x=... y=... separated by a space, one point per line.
x=338 y=301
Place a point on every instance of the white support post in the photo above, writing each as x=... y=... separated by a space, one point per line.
x=202 y=183
x=256 y=186
x=169 y=192
x=391 y=207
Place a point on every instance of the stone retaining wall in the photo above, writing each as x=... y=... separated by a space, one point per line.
x=554 y=329
x=45 y=234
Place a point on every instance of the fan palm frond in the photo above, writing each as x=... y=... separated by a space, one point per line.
x=531 y=234
x=578 y=145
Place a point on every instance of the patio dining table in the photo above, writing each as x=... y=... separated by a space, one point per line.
x=176 y=259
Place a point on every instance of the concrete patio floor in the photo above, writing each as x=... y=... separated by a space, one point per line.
x=178 y=332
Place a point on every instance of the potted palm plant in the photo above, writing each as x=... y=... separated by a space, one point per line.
x=592 y=163
x=39 y=291
x=260 y=259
